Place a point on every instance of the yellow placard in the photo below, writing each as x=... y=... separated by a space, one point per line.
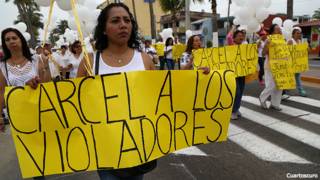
x=117 y=120
x=281 y=63
x=178 y=50
x=159 y=47
x=241 y=59
x=300 y=57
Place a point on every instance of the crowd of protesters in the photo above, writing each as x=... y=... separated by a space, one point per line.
x=118 y=48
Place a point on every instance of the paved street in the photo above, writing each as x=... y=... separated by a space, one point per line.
x=262 y=145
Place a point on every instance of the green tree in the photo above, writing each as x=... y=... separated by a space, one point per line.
x=172 y=6
x=57 y=31
x=316 y=14
x=30 y=15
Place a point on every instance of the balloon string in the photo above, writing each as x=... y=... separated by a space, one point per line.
x=48 y=23
x=87 y=63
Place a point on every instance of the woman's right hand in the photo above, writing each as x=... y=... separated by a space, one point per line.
x=33 y=83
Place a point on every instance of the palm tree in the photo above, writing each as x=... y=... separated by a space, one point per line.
x=172 y=6
x=59 y=30
x=29 y=14
x=290 y=9
x=316 y=14
x=214 y=14
x=152 y=20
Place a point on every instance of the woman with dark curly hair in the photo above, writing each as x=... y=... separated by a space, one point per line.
x=18 y=67
x=118 y=50
x=194 y=43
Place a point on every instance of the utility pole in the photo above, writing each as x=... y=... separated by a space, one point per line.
x=290 y=9
x=152 y=20
x=228 y=18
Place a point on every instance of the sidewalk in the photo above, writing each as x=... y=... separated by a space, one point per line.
x=313 y=75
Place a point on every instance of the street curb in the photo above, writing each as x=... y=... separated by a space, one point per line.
x=310 y=79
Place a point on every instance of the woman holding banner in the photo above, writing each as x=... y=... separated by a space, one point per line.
x=118 y=50
x=296 y=39
x=194 y=43
x=270 y=85
x=18 y=68
x=238 y=39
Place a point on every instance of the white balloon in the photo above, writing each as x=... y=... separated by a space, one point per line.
x=267 y=3
x=255 y=3
x=287 y=34
x=21 y=26
x=27 y=36
x=288 y=24
x=243 y=27
x=188 y=34
x=80 y=1
x=253 y=24
x=91 y=4
x=277 y=21
x=44 y=3
x=245 y=13
x=262 y=14
x=239 y=2
x=64 y=4
x=236 y=21
x=84 y=13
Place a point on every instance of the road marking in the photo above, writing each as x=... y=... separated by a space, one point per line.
x=190 y=151
x=262 y=148
x=282 y=127
x=185 y=169
x=305 y=115
x=304 y=100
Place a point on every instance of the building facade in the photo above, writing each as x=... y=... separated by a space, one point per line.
x=143 y=14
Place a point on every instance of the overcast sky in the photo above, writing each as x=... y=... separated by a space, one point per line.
x=301 y=7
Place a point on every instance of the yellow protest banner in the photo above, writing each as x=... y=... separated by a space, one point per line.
x=300 y=57
x=117 y=120
x=241 y=59
x=281 y=63
x=178 y=50
x=159 y=47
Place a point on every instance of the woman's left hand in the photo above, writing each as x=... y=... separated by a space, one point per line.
x=33 y=83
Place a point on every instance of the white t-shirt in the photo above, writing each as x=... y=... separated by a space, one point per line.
x=185 y=58
x=63 y=60
x=75 y=65
x=135 y=64
x=18 y=76
x=169 y=54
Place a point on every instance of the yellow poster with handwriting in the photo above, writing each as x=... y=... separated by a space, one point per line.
x=242 y=59
x=117 y=120
x=281 y=63
x=300 y=57
x=178 y=50
x=159 y=47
